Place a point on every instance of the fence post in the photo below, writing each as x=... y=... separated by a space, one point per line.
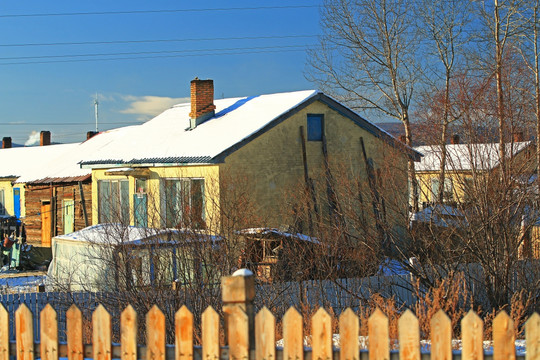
x=238 y=292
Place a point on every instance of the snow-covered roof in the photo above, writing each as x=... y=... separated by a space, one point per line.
x=65 y=166
x=15 y=162
x=116 y=234
x=464 y=157
x=441 y=215
x=167 y=138
x=276 y=232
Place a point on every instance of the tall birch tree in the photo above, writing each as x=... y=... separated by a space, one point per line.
x=368 y=59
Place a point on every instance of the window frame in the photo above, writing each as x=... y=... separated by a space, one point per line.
x=123 y=204
x=185 y=187
x=315 y=127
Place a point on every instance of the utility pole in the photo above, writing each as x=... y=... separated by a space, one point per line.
x=96 y=103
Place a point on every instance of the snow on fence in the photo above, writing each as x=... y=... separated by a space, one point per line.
x=249 y=336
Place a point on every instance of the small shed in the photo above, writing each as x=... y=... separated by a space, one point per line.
x=116 y=256
x=275 y=255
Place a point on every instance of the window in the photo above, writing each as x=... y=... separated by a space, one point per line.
x=468 y=189
x=113 y=201
x=448 y=194
x=184 y=203
x=2 y=203
x=315 y=126
x=140 y=200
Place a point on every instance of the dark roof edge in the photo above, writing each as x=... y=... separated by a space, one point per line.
x=333 y=104
x=153 y=161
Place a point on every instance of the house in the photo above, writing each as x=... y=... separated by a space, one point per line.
x=178 y=169
x=14 y=163
x=58 y=192
x=463 y=162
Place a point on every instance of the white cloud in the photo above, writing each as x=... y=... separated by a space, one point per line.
x=149 y=106
x=33 y=138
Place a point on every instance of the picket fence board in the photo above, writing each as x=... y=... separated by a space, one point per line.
x=210 y=334
x=49 y=334
x=101 y=334
x=128 y=333
x=155 y=334
x=379 y=346
x=74 y=333
x=25 y=333
x=472 y=335
x=183 y=334
x=4 y=333
x=441 y=336
x=265 y=341
x=409 y=336
x=349 y=325
x=532 y=337
x=321 y=340
x=293 y=335
x=503 y=337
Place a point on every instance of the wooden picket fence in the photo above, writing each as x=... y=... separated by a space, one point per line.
x=251 y=336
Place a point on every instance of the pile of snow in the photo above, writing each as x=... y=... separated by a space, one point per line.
x=425 y=345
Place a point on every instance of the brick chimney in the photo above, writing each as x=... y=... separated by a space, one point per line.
x=90 y=134
x=6 y=143
x=454 y=139
x=45 y=138
x=518 y=136
x=202 y=101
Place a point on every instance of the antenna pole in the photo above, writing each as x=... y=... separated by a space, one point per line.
x=96 y=103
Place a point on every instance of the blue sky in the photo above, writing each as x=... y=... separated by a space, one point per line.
x=43 y=88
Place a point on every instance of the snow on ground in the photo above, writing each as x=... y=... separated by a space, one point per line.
x=19 y=284
x=425 y=345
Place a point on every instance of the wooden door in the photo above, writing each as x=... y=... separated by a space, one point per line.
x=69 y=216
x=46 y=224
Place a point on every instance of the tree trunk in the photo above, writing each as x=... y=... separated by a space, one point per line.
x=500 y=99
x=410 y=164
x=444 y=131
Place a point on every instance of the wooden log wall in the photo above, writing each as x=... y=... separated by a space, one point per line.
x=36 y=194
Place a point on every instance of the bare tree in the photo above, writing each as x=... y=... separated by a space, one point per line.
x=368 y=58
x=503 y=22
x=444 y=25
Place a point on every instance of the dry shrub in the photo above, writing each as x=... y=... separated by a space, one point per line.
x=389 y=307
x=450 y=295
x=517 y=309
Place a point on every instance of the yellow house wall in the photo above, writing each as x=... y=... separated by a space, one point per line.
x=458 y=180
x=273 y=166
x=210 y=173
x=6 y=185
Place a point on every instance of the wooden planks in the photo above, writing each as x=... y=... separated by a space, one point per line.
x=472 y=332
x=24 y=333
x=265 y=341
x=128 y=333
x=441 y=336
x=4 y=333
x=379 y=342
x=293 y=338
x=265 y=336
x=101 y=334
x=74 y=333
x=49 y=334
x=183 y=334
